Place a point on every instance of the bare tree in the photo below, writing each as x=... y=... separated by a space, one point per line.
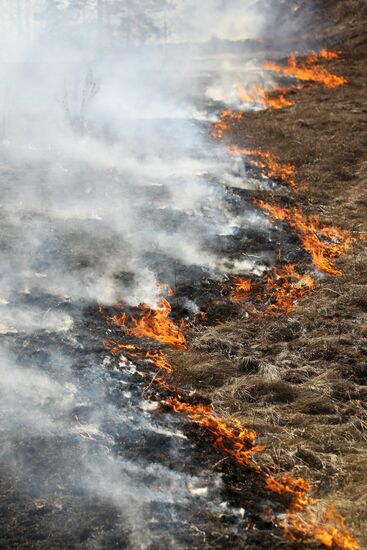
x=100 y=13
x=76 y=103
x=140 y=20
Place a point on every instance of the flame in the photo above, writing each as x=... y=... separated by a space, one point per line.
x=229 y=436
x=154 y=324
x=258 y=95
x=287 y=286
x=298 y=488
x=282 y=287
x=309 y=70
x=241 y=290
x=270 y=164
x=224 y=122
x=324 y=54
x=328 y=528
x=117 y=347
x=331 y=531
x=240 y=443
x=156 y=357
x=324 y=244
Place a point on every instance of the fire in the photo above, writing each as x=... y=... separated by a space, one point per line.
x=154 y=324
x=327 y=528
x=223 y=124
x=229 y=436
x=324 y=244
x=156 y=357
x=285 y=286
x=117 y=347
x=281 y=288
x=241 y=290
x=331 y=531
x=258 y=95
x=286 y=173
x=240 y=443
x=309 y=70
x=324 y=54
x=298 y=488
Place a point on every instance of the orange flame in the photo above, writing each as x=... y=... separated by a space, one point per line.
x=156 y=357
x=324 y=244
x=241 y=290
x=309 y=70
x=282 y=287
x=287 y=286
x=240 y=443
x=324 y=54
x=328 y=528
x=223 y=124
x=286 y=173
x=155 y=324
x=259 y=96
x=117 y=347
x=230 y=436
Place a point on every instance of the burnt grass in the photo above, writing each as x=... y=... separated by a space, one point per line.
x=300 y=380
x=49 y=509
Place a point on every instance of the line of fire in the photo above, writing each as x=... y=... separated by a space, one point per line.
x=277 y=292
x=183 y=304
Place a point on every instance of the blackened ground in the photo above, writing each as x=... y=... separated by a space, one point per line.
x=94 y=468
x=301 y=380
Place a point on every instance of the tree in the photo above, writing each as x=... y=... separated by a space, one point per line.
x=100 y=13
x=133 y=21
x=52 y=15
x=139 y=20
x=77 y=102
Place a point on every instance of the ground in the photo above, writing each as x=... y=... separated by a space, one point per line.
x=301 y=379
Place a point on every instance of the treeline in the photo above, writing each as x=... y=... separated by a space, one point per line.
x=130 y=21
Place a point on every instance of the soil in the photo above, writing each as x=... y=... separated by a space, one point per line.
x=301 y=379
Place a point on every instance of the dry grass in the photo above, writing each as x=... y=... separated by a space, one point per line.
x=301 y=382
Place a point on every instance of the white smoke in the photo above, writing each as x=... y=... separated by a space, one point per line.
x=109 y=179
x=218 y=19
x=106 y=165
